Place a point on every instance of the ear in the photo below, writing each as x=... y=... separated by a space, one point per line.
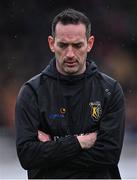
x=51 y=43
x=90 y=43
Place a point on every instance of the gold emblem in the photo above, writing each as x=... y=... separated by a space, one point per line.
x=95 y=110
x=62 y=110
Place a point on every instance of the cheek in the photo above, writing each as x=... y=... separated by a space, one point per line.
x=59 y=53
x=82 y=53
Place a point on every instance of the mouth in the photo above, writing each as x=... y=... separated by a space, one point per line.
x=71 y=63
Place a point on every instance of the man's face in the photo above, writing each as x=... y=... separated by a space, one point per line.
x=70 y=46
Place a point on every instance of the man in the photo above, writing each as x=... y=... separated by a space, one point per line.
x=70 y=117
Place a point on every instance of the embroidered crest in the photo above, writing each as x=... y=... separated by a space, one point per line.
x=96 y=110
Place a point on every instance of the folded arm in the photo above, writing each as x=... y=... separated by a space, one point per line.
x=33 y=153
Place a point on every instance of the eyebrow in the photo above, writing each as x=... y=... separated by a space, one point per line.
x=65 y=43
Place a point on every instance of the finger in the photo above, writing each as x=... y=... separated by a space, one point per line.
x=43 y=136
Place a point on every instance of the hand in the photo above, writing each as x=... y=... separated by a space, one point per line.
x=88 y=140
x=43 y=137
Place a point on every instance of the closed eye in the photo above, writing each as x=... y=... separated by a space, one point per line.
x=78 y=45
x=62 y=45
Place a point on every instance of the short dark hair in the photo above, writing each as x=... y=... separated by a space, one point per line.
x=71 y=16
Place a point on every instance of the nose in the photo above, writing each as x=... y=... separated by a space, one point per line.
x=70 y=52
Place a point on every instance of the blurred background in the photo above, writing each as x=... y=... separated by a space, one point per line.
x=24 y=52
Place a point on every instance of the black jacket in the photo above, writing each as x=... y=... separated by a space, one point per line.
x=64 y=106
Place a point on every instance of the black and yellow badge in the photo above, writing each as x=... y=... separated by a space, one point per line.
x=96 y=110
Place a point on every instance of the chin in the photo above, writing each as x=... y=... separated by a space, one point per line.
x=71 y=72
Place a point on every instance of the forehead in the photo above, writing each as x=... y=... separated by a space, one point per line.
x=70 y=31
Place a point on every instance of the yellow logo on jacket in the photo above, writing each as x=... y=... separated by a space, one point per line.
x=95 y=110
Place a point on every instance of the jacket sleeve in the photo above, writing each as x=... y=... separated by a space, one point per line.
x=31 y=152
x=106 y=151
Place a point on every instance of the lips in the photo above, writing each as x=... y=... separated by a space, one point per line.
x=71 y=63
